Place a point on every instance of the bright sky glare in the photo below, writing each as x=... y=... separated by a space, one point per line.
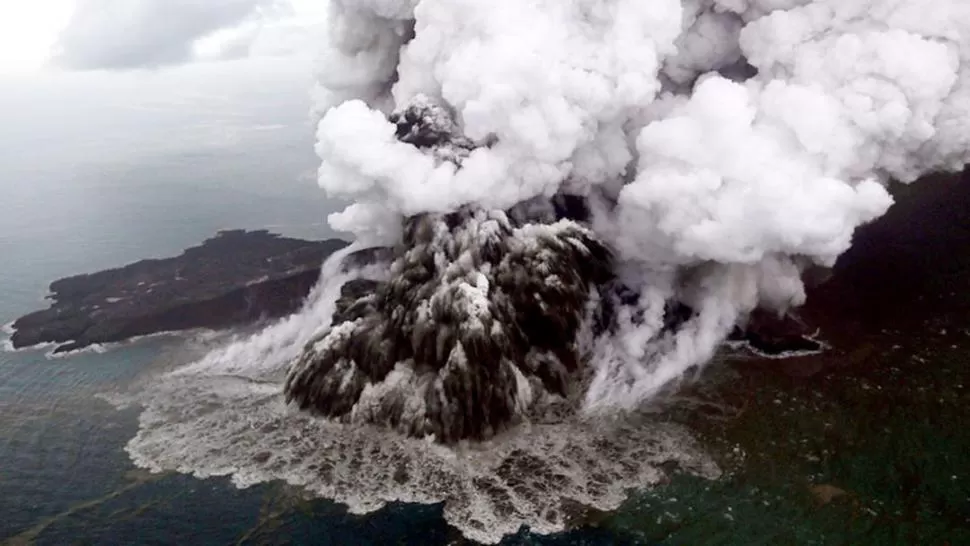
x=29 y=29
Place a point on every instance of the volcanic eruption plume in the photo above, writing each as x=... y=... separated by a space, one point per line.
x=574 y=202
x=709 y=151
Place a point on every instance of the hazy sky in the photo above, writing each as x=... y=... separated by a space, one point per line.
x=115 y=80
x=102 y=70
x=200 y=93
x=126 y=34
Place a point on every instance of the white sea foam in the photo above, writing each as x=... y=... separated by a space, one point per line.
x=783 y=355
x=101 y=348
x=7 y=346
x=96 y=348
x=224 y=415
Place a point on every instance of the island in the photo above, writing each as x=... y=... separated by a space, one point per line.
x=239 y=277
x=236 y=277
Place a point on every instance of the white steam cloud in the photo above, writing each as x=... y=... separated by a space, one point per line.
x=225 y=415
x=720 y=147
x=724 y=144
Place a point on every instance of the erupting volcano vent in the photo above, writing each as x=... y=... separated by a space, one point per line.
x=717 y=147
x=478 y=321
x=582 y=199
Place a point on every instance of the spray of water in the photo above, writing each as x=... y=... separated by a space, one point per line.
x=723 y=145
x=225 y=415
x=718 y=148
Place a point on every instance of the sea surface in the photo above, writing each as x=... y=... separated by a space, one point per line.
x=865 y=445
x=85 y=187
x=65 y=477
x=72 y=202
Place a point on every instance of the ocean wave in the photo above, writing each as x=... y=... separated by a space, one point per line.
x=6 y=344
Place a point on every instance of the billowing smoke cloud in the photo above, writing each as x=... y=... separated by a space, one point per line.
x=721 y=145
x=579 y=200
x=225 y=415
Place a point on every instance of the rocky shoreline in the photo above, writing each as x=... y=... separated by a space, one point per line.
x=234 y=278
x=238 y=277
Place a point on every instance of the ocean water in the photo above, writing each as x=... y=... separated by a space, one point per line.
x=865 y=445
x=65 y=477
x=124 y=189
x=69 y=206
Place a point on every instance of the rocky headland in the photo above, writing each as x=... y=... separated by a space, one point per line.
x=234 y=278
x=238 y=277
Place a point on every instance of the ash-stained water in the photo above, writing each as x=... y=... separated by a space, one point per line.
x=225 y=415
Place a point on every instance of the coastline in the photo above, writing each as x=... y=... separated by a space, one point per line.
x=235 y=278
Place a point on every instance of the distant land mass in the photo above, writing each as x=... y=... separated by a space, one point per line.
x=239 y=277
x=234 y=278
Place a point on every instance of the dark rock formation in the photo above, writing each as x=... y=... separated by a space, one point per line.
x=915 y=249
x=771 y=334
x=234 y=278
x=356 y=300
x=478 y=320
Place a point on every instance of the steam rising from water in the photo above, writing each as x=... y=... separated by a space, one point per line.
x=225 y=415
x=724 y=145
x=720 y=146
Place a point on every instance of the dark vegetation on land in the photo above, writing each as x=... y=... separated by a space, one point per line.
x=234 y=278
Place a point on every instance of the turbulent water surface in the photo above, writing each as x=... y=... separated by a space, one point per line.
x=68 y=451
x=73 y=433
x=721 y=151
